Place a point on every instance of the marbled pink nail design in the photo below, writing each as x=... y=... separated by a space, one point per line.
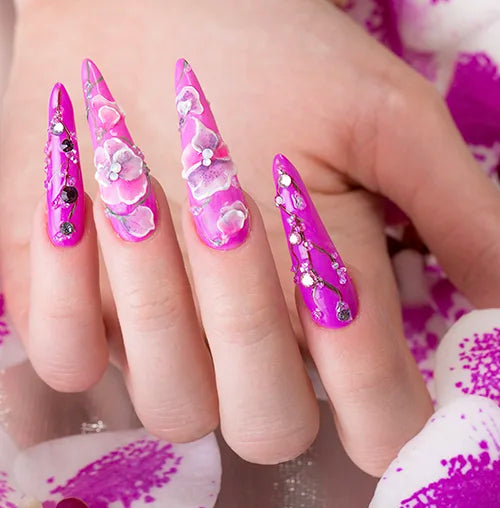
x=64 y=185
x=324 y=282
x=121 y=170
x=215 y=196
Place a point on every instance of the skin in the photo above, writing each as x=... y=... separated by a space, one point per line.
x=355 y=121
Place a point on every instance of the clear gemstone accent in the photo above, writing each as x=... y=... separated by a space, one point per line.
x=279 y=200
x=113 y=177
x=285 y=180
x=207 y=162
x=343 y=312
x=115 y=167
x=307 y=279
x=207 y=153
x=57 y=128
x=298 y=201
x=317 y=314
x=295 y=238
x=335 y=265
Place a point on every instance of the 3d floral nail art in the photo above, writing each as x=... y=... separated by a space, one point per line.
x=217 y=202
x=121 y=170
x=64 y=185
x=318 y=270
x=120 y=468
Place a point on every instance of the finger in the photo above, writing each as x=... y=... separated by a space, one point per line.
x=267 y=409
x=379 y=397
x=412 y=152
x=66 y=345
x=168 y=371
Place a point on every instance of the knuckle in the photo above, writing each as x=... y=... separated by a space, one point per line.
x=146 y=306
x=180 y=424
x=273 y=447
x=251 y=323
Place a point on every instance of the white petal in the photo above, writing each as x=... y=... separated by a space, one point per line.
x=453 y=461
x=468 y=358
x=125 y=466
x=8 y=452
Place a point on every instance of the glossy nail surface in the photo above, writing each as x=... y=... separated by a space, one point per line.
x=216 y=201
x=121 y=170
x=325 y=285
x=63 y=183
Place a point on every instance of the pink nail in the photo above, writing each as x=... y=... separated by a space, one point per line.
x=64 y=185
x=216 y=201
x=121 y=170
x=323 y=279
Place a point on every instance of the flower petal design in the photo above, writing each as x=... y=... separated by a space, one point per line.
x=468 y=358
x=9 y=495
x=232 y=218
x=453 y=461
x=204 y=138
x=131 y=164
x=139 y=222
x=126 y=468
x=109 y=112
x=188 y=101
x=125 y=192
x=11 y=348
x=204 y=181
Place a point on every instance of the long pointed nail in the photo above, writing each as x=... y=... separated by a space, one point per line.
x=64 y=185
x=216 y=200
x=326 y=287
x=121 y=170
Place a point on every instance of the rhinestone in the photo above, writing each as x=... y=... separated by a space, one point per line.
x=317 y=314
x=69 y=194
x=113 y=177
x=115 y=167
x=335 y=265
x=207 y=153
x=67 y=228
x=295 y=238
x=207 y=162
x=67 y=145
x=285 y=180
x=57 y=128
x=307 y=279
x=343 y=312
x=279 y=200
x=308 y=245
x=298 y=201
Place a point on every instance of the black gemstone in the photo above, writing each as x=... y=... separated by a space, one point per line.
x=67 y=145
x=67 y=228
x=69 y=194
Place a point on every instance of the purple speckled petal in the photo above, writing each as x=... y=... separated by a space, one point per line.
x=9 y=494
x=11 y=348
x=468 y=358
x=130 y=469
x=453 y=462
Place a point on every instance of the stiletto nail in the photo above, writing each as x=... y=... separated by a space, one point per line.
x=325 y=285
x=64 y=185
x=121 y=170
x=216 y=201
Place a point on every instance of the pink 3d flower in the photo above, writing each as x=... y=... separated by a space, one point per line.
x=120 y=173
x=232 y=218
x=207 y=166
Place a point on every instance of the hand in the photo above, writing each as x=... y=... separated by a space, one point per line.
x=350 y=119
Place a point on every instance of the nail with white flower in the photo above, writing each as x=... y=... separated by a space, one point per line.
x=121 y=171
x=232 y=219
x=216 y=200
x=207 y=166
